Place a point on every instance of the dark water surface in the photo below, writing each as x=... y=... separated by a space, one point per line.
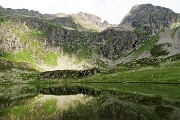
x=95 y=101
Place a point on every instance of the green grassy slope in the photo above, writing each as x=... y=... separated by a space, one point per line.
x=146 y=47
x=165 y=72
x=15 y=72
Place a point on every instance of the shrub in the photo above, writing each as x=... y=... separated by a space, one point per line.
x=157 y=51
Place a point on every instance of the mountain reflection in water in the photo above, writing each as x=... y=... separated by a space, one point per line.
x=90 y=101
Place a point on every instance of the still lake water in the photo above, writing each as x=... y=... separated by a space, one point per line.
x=93 y=101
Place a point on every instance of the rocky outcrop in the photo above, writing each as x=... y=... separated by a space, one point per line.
x=149 y=18
x=64 y=74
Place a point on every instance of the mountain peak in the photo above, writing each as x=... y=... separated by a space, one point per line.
x=105 y=22
x=89 y=17
x=149 y=18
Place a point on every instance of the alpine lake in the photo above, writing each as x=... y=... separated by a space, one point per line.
x=90 y=101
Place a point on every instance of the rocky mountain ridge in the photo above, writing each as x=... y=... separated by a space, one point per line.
x=86 y=20
x=25 y=12
x=29 y=36
x=81 y=21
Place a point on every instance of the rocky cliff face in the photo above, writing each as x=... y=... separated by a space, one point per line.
x=111 y=43
x=66 y=21
x=115 y=43
x=149 y=18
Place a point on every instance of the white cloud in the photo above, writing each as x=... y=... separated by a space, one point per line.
x=111 y=10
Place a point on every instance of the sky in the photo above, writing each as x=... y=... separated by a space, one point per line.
x=111 y=10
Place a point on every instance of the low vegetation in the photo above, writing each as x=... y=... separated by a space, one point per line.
x=140 y=32
x=2 y=20
x=51 y=58
x=174 y=30
x=158 y=50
